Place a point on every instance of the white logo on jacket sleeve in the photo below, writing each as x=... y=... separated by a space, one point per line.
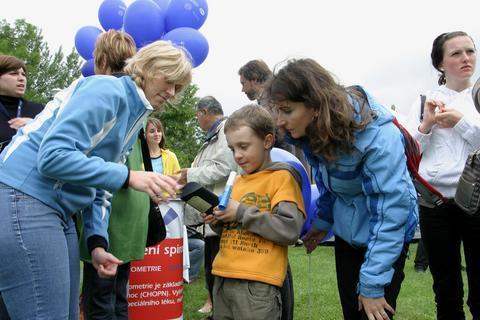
x=106 y=203
x=98 y=137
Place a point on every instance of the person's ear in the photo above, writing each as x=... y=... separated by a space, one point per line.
x=268 y=141
x=440 y=67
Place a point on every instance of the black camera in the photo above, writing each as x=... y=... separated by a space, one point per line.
x=199 y=197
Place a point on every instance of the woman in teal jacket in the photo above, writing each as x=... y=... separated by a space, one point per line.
x=357 y=156
x=70 y=158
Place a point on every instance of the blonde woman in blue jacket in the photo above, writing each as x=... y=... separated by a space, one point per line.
x=357 y=156
x=70 y=158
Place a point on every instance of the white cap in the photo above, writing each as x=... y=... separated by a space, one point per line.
x=231 y=178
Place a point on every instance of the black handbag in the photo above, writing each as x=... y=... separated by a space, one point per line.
x=467 y=196
x=156 y=226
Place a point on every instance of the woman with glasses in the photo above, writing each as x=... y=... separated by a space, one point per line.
x=447 y=127
x=15 y=111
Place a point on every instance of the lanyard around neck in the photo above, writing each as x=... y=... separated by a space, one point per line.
x=19 y=108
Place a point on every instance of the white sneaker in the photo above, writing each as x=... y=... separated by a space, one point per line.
x=207 y=308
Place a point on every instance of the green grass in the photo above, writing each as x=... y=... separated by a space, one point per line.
x=316 y=295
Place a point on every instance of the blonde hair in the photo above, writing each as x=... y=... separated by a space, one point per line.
x=161 y=58
x=112 y=49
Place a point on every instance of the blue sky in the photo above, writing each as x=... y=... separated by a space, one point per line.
x=383 y=45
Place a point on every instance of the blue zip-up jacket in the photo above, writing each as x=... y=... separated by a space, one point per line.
x=369 y=199
x=71 y=156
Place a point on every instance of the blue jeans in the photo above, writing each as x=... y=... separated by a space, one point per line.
x=105 y=298
x=196 y=249
x=39 y=276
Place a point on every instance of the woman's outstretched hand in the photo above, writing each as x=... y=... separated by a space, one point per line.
x=160 y=188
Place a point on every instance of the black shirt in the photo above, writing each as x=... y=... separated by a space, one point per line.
x=9 y=109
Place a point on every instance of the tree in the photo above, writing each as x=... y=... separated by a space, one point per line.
x=184 y=137
x=45 y=71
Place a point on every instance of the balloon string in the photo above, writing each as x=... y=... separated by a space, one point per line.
x=309 y=286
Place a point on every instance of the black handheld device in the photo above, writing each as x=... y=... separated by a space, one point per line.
x=199 y=197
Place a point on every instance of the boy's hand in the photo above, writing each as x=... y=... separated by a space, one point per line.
x=229 y=214
x=209 y=218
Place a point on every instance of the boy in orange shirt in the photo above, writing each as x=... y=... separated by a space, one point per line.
x=264 y=215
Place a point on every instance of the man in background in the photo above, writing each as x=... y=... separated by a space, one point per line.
x=253 y=77
x=210 y=168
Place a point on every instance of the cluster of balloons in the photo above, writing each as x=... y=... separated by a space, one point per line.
x=148 y=21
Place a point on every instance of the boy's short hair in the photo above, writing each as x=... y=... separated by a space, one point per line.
x=253 y=116
x=112 y=49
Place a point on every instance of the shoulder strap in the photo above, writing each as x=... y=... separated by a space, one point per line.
x=147 y=161
x=423 y=98
x=290 y=167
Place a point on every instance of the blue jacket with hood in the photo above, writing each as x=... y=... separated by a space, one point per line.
x=71 y=156
x=369 y=198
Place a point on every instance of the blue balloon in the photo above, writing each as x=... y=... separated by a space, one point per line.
x=88 y=68
x=311 y=208
x=145 y=21
x=186 y=13
x=280 y=155
x=163 y=4
x=311 y=212
x=110 y=14
x=85 y=39
x=192 y=40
